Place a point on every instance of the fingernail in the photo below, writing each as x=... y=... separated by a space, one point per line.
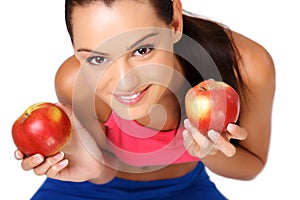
x=63 y=163
x=213 y=135
x=18 y=155
x=231 y=128
x=187 y=124
x=37 y=159
x=59 y=156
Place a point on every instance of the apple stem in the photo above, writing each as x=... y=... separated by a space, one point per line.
x=203 y=88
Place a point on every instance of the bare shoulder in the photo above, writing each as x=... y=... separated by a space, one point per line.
x=65 y=78
x=256 y=62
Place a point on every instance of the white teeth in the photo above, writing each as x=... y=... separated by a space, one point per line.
x=127 y=98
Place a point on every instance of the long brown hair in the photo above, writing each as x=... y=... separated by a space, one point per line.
x=209 y=34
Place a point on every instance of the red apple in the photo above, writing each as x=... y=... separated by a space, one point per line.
x=212 y=105
x=43 y=128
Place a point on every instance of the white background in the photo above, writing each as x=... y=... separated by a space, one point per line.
x=34 y=42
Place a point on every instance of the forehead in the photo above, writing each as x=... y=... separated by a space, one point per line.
x=96 y=23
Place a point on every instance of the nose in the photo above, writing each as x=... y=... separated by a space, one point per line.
x=127 y=80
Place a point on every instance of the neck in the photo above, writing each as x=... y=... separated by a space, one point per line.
x=166 y=115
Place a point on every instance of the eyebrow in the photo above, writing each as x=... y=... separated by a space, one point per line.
x=128 y=48
x=91 y=51
x=141 y=40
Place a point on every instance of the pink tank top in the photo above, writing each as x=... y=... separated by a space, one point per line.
x=139 y=146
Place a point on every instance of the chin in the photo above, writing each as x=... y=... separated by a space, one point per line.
x=132 y=112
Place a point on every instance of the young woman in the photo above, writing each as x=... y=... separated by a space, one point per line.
x=133 y=62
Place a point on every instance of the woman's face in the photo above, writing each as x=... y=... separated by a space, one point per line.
x=126 y=56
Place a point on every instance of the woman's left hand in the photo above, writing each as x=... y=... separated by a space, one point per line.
x=199 y=145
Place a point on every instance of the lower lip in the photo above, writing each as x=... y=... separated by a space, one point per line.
x=132 y=101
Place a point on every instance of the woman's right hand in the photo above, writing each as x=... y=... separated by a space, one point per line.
x=73 y=163
x=40 y=165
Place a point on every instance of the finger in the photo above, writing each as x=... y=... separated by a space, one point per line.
x=32 y=161
x=202 y=145
x=193 y=131
x=213 y=136
x=187 y=139
x=222 y=144
x=189 y=143
x=19 y=155
x=56 y=170
x=46 y=165
x=236 y=132
x=197 y=144
x=206 y=145
x=188 y=125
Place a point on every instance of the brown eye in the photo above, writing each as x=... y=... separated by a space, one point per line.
x=96 y=60
x=142 y=51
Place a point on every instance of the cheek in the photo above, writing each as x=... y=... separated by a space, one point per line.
x=163 y=71
x=102 y=86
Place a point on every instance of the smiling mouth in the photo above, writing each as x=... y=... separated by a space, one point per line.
x=131 y=99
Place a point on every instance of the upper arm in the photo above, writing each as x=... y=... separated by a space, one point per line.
x=258 y=73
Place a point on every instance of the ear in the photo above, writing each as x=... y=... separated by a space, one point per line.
x=177 y=24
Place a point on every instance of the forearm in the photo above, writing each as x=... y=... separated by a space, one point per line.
x=108 y=171
x=244 y=165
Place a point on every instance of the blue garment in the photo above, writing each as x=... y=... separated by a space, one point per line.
x=194 y=185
